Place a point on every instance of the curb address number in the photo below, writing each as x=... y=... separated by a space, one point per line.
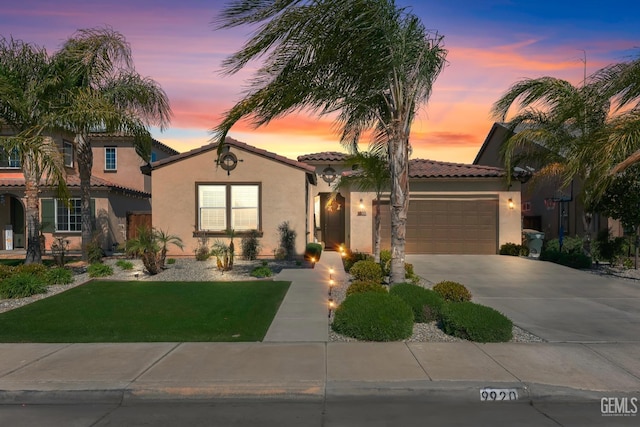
x=490 y=394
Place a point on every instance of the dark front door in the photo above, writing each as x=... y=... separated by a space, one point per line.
x=332 y=220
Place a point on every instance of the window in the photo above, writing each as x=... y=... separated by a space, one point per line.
x=110 y=159
x=67 y=151
x=68 y=218
x=9 y=159
x=228 y=206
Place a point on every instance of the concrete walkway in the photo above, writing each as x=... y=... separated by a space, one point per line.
x=296 y=361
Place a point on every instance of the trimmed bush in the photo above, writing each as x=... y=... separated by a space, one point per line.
x=261 y=271
x=250 y=245
x=313 y=250
x=374 y=316
x=171 y=261
x=59 y=276
x=514 y=249
x=366 y=271
x=475 y=322
x=452 y=291
x=385 y=261
x=351 y=258
x=38 y=270
x=124 y=264
x=22 y=285
x=360 y=287
x=6 y=271
x=99 y=270
x=425 y=303
x=570 y=259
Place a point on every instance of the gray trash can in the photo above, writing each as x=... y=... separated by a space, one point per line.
x=534 y=239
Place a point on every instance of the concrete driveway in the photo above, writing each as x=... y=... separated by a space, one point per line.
x=557 y=303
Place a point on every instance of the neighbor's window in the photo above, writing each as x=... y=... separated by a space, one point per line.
x=68 y=217
x=110 y=159
x=67 y=151
x=228 y=206
x=9 y=159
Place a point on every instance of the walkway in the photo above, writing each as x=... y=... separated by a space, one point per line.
x=303 y=314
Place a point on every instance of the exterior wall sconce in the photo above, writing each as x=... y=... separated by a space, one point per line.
x=510 y=203
x=361 y=209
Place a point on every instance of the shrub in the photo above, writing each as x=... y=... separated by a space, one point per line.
x=452 y=291
x=202 y=253
x=351 y=258
x=513 y=249
x=360 y=287
x=99 y=269
x=385 y=261
x=475 y=322
x=261 y=271
x=408 y=271
x=250 y=245
x=569 y=244
x=59 y=276
x=425 y=303
x=124 y=264
x=171 y=261
x=38 y=270
x=94 y=251
x=570 y=259
x=6 y=271
x=287 y=240
x=313 y=250
x=22 y=285
x=366 y=271
x=374 y=316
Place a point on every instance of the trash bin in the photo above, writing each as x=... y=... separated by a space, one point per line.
x=534 y=240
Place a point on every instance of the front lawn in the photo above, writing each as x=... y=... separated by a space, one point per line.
x=109 y=311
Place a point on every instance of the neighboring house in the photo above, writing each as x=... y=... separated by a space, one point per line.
x=545 y=206
x=120 y=193
x=200 y=194
x=454 y=208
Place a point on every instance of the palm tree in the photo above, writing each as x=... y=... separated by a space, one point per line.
x=103 y=92
x=367 y=60
x=151 y=246
x=27 y=88
x=372 y=174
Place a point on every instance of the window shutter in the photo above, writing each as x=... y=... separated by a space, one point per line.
x=93 y=214
x=48 y=216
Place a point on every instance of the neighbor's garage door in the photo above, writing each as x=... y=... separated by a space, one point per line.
x=443 y=226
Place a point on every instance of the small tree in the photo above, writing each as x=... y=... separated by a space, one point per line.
x=287 y=240
x=151 y=247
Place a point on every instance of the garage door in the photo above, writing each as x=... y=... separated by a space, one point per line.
x=447 y=226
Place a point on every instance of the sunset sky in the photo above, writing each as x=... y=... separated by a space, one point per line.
x=491 y=44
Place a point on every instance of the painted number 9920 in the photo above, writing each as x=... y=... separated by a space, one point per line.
x=487 y=394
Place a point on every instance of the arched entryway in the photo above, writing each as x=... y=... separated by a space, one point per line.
x=12 y=224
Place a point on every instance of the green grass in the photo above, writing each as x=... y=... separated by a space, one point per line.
x=111 y=311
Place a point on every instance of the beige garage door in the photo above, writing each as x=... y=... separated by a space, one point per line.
x=448 y=226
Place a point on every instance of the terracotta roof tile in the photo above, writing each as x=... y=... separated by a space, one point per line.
x=421 y=168
x=73 y=181
x=244 y=146
x=325 y=156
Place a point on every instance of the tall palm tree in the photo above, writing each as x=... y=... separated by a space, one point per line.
x=372 y=174
x=370 y=61
x=103 y=92
x=27 y=88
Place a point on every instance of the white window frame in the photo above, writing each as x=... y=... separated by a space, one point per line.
x=115 y=159
x=75 y=212
x=67 y=153
x=13 y=159
x=234 y=209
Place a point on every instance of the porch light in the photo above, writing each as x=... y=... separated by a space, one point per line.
x=361 y=210
x=510 y=203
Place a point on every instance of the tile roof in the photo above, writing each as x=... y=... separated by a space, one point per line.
x=326 y=156
x=241 y=145
x=154 y=141
x=421 y=168
x=73 y=181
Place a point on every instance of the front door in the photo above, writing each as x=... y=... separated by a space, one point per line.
x=332 y=220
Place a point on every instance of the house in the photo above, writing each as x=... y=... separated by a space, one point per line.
x=201 y=195
x=546 y=206
x=120 y=193
x=453 y=209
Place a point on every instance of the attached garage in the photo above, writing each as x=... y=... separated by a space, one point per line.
x=448 y=226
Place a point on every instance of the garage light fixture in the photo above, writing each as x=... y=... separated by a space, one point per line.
x=511 y=205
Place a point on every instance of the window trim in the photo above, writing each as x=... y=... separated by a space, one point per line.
x=228 y=208
x=115 y=159
x=66 y=144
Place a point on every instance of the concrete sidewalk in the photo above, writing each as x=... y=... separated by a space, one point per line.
x=296 y=361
